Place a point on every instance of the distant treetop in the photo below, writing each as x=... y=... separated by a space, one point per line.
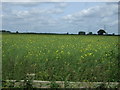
x=101 y=32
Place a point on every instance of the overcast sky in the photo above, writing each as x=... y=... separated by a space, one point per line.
x=60 y=17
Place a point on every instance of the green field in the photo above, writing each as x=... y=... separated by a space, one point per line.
x=60 y=57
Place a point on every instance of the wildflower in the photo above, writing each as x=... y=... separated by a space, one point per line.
x=82 y=57
x=95 y=50
x=61 y=51
x=90 y=53
x=85 y=54
x=56 y=51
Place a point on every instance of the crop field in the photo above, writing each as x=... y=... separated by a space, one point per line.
x=60 y=57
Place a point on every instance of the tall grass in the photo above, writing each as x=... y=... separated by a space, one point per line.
x=60 y=57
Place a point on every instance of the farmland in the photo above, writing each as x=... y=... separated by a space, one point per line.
x=60 y=57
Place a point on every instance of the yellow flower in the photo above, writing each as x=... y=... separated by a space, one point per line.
x=62 y=51
x=90 y=53
x=95 y=50
x=82 y=57
x=85 y=54
x=56 y=51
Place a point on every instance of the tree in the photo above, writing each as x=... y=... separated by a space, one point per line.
x=5 y=31
x=90 y=33
x=67 y=33
x=17 y=32
x=101 y=32
x=113 y=34
x=81 y=33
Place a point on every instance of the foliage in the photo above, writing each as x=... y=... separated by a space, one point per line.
x=101 y=31
x=53 y=84
x=90 y=33
x=57 y=57
x=81 y=33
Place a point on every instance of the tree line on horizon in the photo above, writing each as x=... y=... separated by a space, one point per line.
x=99 y=32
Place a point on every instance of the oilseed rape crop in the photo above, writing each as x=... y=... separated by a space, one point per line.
x=60 y=57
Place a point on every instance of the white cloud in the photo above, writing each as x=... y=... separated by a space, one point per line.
x=61 y=5
x=94 y=12
x=21 y=14
x=60 y=0
x=32 y=18
x=114 y=23
x=39 y=18
x=96 y=17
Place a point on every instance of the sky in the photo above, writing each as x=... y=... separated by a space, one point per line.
x=59 y=0
x=60 y=17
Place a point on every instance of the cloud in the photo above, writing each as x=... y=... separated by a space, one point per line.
x=52 y=17
x=31 y=17
x=60 y=0
x=23 y=4
x=96 y=17
x=61 y=5
x=100 y=12
x=32 y=0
